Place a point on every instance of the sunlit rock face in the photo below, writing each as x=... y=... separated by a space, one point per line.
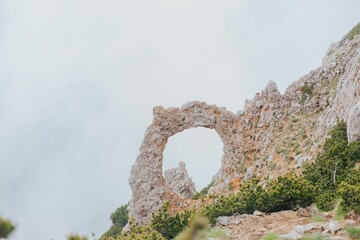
x=273 y=134
x=179 y=181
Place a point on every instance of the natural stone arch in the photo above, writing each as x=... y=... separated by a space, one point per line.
x=146 y=178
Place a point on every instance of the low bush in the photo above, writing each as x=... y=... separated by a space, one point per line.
x=284 y=193
x=6 y=227
x=331 y=172
x=203 y=192
x=136 y=232
x=169 y=226
x=119 y=219
x=349 y=192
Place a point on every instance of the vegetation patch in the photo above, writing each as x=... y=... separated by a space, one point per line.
x=333 y=173
x=283 y=193
x=6 y=227
x=169 y=226
x=203 y=193
x=353 y=32
x=353 y=232
x=306 y=91
x=119 y=219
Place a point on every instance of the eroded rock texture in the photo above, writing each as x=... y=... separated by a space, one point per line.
x=146 y=180
x=179 y=181
x=353 y=127
x=274 y=134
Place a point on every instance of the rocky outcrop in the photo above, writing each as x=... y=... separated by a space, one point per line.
x=353 y=127
x=274 y=133
x=147 y=183
x=179 y=181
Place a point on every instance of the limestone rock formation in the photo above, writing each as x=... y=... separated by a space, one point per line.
x=179 y=181
x=146 y=180
x=273 y=134
x=353 y=127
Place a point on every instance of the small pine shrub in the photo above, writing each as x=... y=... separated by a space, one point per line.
x=330 y=171
x=284 y=193
x=306 y=90
x=169 y=226
x=287 y=192
x=349 y=191
x=120 y=216
x=6 y=227
x=137 y=233
x=119 y=219
x=203 y=191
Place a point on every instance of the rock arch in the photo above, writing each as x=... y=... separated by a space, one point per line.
x=146 y=178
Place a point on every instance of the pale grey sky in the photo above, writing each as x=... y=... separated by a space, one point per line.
x=79 y=78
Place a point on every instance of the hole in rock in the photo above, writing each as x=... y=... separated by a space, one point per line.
x=201 y=151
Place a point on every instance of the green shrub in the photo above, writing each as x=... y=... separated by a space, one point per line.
x=326 y=200
x=332 y=167
x=349 y=191
x=119 y=219
x=6 y=227
x=288 y=192
x=136 y=232
x=113 y=231
x=169 y=226
x=306 y=91
x=120 y=216
x=354 y=152
x=203 y=191
x=73 y=236
x=353 y=232
x=284 y=193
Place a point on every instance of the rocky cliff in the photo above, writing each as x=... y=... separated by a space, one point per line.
x=274 y=134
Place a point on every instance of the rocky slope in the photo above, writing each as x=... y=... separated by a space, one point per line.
x=274 y=134
x=299 y=224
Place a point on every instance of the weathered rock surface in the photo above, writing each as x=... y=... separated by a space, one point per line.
x=353 y=127
x=146 y=180
x=179 y=181
x=274 y=133
x=285 y=224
